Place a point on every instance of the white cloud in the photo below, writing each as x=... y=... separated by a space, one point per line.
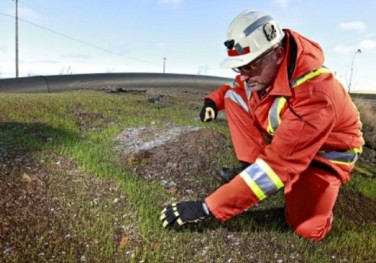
x=174 y=2
x=355 y=25
x=367 y=44
x=348 y=49
x=282 y=3
x=24 y=13
x=162 y=45
x=367 y=86
x=3 y=48
x=76 y=56
x=343 y=49
x=29 y=14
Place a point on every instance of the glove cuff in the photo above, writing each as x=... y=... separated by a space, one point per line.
x=205 y=208
x=210 y=103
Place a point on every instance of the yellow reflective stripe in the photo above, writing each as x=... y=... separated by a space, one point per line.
x=261 y=179
x=270 y=128
x=310 y=75
x=342 y=163
x=356 y=150
x=269 y=171
x=274 y=117
x=254 y=187
x=281 y=104
x=234 y=84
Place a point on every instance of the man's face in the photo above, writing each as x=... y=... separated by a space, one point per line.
x=261 y=73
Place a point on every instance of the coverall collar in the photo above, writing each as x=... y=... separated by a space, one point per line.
x=281 y=84
x=301 y=57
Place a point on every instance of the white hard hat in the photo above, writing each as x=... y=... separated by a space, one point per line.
x=251 y=34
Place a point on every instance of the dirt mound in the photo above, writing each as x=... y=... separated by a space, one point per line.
x=351 y=208
x=185 y=164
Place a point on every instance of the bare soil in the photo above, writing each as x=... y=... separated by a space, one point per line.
x=183 y=159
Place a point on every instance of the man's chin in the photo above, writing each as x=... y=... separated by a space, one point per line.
x=256 y=86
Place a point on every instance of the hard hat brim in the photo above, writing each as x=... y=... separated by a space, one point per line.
x=238 y=61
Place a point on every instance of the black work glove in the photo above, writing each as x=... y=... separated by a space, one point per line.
x=209 y=111
x=178 y=214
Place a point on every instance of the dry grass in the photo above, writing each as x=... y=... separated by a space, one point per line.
x=367 y=117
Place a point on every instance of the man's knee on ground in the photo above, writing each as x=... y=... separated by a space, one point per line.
x=313 y=232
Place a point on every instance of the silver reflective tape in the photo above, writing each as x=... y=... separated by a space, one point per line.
x=340 y=156
x=230 y=94
x=274 y=114
x=259 y=22
x=260 y=177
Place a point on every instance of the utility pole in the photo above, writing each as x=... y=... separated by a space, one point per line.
x=164 y=65
x=16 y=38
x=352 y=69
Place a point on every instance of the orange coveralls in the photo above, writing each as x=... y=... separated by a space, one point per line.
x=303 y=135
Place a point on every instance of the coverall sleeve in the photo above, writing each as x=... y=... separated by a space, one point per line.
x=297 y=140
x=219 y=94
x=231 y=199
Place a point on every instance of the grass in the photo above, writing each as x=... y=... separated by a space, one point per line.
x=68 y=197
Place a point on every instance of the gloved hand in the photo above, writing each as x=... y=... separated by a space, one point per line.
x=209 y=111
x=178 y=214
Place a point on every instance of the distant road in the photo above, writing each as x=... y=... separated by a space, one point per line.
x=57 y=83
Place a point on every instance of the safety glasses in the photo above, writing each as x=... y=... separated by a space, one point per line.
x=254 y=64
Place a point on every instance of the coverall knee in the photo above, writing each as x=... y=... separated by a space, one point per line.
x=309 y=200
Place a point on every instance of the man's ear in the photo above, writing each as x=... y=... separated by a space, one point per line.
x=279 y=53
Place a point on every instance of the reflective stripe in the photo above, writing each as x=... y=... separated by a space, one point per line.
x=233 y=84
x=272 y=175
x=345 y=158
x=239 y=50
x=259 y=22
x=261 y=179
x=248 y=90
x=279 y=102
x=274 y=114
x=232 y=95
x=252 y=184
x=300 y=80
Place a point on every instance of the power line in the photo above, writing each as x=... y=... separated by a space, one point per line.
x=75 y=39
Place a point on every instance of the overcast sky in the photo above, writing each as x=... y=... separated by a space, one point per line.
x=96 y=36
